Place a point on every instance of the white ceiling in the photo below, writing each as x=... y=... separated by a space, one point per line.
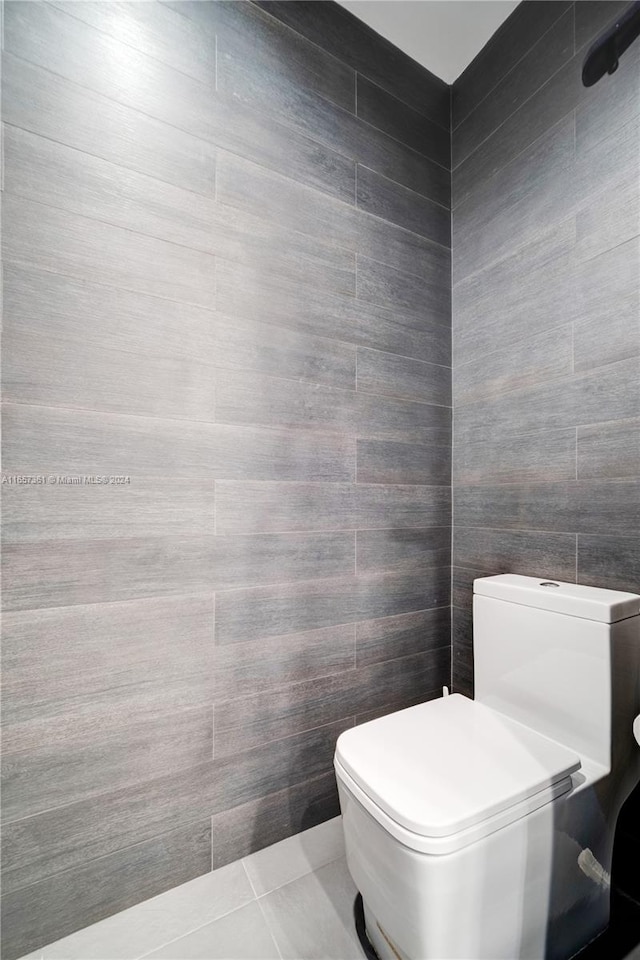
x=443 y=35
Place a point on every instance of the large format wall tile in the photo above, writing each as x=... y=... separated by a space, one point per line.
x=402 y=636
x=63 y=572
x=98 y=888
x=385 y=461
x=536 y=67
x=227 y=281
x=249 y=294
x=108 y=654
x=75 y=245
x=399 y=120
x=41 y=440
x=346 y=37
x=261 y=664
x=338 y=129
x=243 y=615
x=263 y=507
x=505 y=49
x=36 y=848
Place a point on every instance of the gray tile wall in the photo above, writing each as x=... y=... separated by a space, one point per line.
x=546 y=311
x=229 y=282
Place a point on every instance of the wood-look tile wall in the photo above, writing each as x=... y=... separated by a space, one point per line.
x=546 y=311
x=226 y=256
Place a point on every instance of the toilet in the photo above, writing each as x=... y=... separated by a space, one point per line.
x=483 y=829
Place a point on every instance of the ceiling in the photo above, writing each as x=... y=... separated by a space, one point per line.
x=443 y=35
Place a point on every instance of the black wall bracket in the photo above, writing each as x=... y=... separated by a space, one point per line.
x=605 y=53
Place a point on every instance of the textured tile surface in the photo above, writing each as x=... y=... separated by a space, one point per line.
x=227 y=280
x=546 y=275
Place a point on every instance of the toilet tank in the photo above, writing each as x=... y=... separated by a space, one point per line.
x=563 y=659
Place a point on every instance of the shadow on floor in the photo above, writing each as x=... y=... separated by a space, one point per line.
x=622 y=935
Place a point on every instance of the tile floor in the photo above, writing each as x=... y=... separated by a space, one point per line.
x=290 y=901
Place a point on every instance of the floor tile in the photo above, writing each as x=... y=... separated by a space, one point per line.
x=312 y=917
x=149 y=925
x=241 y=935
x=296 y=856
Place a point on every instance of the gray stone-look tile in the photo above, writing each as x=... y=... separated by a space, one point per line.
x=265 y=663
x=394 y=376
x=42 y=170
x=159 y=33
x=154 y=922
x=608 y=328
x=271 y=50
x=39 y=847
x=247 y=344
x=610 y=392
x=88 y=893
x=386 y=112
x=349 y=39
x=590 y=507
x=383 y=461
x=609 y=450
x=252 y=188
x=59 y=42
x=523 y=552
x=517 y=296
x=254 y=295
x=402 y=636
x=63 y=573
x=336 y=128
x=548 y=455
x=526 y=77
x=34 y=513
x=611 y=562
x=609 y=219
x=241 y=935
x=275 y=403
x=387 y=418
x=384 y=285
x=139 y=354
x=402 y=550
x=141 y=650
x=537 y=358
x=42 y=440
x=50 y=762
x=252 y=826
x=552 y=103
x=45 y=103
x=297 y=915
x=244 y=615
x=248 y=722
x=296 y=856
x=527 y=196
x=70 y=244
x=513 y=39
x=462 y=659
x=263 y=507
x=392 y=202
x=462 y=583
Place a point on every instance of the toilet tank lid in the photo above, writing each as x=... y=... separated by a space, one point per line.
x=572 y=599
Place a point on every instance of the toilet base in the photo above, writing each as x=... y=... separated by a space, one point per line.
x=517 y=895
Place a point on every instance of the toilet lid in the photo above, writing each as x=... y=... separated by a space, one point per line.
x=443 y=766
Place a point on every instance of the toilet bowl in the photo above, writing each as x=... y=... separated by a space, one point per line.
x=483 y=829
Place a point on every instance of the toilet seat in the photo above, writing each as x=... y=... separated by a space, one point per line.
x=446 y=773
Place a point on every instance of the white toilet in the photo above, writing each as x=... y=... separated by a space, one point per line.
x=484 y=829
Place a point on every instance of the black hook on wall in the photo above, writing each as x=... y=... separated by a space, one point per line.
x=605 y=53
